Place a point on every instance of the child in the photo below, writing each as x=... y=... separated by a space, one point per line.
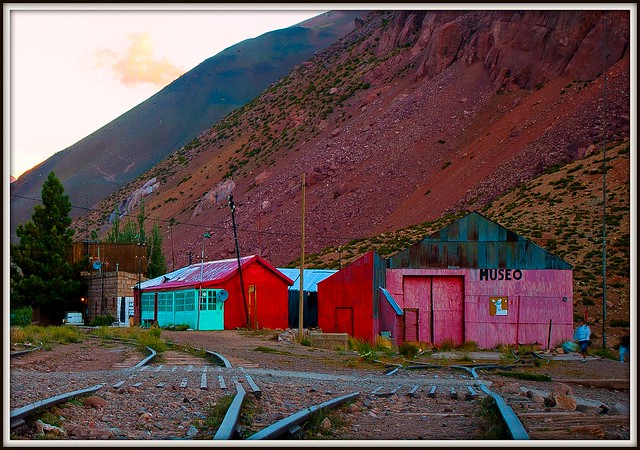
x=581 y=336
x=624 y=348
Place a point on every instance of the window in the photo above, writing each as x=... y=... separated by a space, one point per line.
x=146 y=302
x=165 y=301
x=208 y=301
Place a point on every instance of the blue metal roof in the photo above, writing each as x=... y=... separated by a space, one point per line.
x=311 y=278
x=391 y=301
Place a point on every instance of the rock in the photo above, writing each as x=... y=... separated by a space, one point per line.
x=561 y=388
x=325 y=425
x=95 y=402
x=563 y=401
x=618 y=409
x=52 y=430
x=351 y=409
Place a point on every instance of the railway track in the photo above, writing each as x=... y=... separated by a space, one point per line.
x=172 y=398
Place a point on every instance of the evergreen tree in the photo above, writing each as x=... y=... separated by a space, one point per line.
x=48 y=280
x=157 y=261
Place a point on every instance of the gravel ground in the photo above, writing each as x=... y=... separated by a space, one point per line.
x=165 y=401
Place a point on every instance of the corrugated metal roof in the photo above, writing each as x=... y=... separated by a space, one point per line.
x=311 y=278
x=476 y=242
x=189 y=276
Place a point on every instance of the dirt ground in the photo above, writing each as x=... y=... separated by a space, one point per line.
x=263 y=349
x=396 y=417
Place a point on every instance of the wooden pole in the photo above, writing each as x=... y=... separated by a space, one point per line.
x=301 y=301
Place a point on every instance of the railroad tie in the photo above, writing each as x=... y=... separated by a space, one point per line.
x=454 y=394
x=137 y=385
x=376 y=390
x=392 y=371
x=203 y=380
x=432 y=392
x=190 y=368
x=412 y=392
x=221 y=381
x=256 y=390
x=295 y=432
x=118 y=384
x=472 y=394
x=184 y=382
x=161 y=384
x=386 y=394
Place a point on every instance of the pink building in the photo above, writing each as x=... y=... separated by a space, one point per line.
x=473 y=280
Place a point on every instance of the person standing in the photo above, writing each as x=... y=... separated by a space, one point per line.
x=624 y=348
x=581 y=336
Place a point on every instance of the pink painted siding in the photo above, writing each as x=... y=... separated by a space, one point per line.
x=448 y=308
x=417 y=294
x=534 y=298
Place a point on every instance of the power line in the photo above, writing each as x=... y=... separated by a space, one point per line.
x=261 y=231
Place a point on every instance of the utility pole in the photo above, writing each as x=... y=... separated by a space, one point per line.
x=604 y=195
x=301 y=301
x=232 y=205
x=205 y=235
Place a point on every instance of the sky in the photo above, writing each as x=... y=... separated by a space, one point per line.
x=72 y=68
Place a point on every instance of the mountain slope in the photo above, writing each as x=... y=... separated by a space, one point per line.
x=130 y=145
x=413 y=115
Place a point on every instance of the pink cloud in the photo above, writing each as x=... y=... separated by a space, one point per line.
x=138 y=64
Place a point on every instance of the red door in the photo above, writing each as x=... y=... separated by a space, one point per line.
x=344 y=320
x=448 y=306
x=411 y=331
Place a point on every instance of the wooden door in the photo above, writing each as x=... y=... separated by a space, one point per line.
x=411 y=327
x=448 y=309
x=344 y=320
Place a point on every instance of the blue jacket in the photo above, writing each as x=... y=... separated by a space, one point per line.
x=583 y=332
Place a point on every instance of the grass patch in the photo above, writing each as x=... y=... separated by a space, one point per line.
x=313 y=428
x=33 y=334
x=523 y=375
x=215 y=416
x=271 y=350
x=492 y=425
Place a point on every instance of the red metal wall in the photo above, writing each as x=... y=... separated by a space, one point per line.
x=271 y=295
x=345 y=300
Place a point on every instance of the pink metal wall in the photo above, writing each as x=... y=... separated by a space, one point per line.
x=456 y=304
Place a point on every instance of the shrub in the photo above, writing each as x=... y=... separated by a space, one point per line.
x=21 y=317
x=102 y=321
x=409 y=349
x=469 y=346
x=447 y=345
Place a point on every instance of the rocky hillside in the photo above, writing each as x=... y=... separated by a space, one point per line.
x=135 y=142
x=413 y=116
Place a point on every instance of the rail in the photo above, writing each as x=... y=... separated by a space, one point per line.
x=24 y=352
x=227 y=429
x=514 y=426
x=18 y=415
x=283 y=426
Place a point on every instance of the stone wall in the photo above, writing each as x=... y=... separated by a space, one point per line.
x=103 y=291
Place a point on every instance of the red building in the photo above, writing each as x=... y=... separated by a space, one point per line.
x=193 y=295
